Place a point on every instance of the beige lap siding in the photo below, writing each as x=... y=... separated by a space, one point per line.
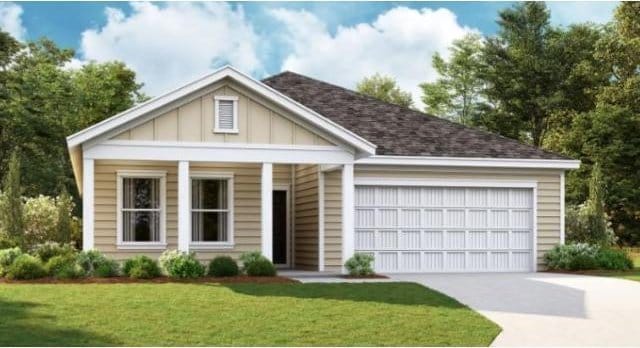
x=548 y=198
x=333 y=220
x=246 y=204
x=305 y=241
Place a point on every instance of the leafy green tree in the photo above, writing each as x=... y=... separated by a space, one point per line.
x=458 y=92
x=384 y=88
x=11 y=207
x=64 y=205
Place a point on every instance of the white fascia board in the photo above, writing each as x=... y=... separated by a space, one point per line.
x=225 y=152
x=469 y=162
x=228 y=71
x=378 y=181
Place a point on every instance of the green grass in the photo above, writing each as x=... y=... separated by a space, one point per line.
x=396 y=314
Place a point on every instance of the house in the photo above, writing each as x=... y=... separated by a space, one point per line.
x=309 y=173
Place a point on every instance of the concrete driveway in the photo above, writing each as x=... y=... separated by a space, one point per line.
x=545 y=309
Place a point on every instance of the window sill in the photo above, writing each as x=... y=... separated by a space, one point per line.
x=212 y=246
x=227 y=131
x=142 y=246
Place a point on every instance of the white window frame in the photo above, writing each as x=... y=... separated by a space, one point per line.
x=229 y=244
x=151 y=174
x=216 y=123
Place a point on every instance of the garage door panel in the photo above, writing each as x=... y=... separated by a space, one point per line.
x=445 y=229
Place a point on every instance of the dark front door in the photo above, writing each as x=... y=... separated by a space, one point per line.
x=280 y=227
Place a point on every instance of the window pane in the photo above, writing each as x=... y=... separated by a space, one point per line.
x=141 y=193
x=209 y=227
x=209 y=194
x=141 y=226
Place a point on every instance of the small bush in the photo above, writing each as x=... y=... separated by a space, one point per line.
x=561 y=257
x=360 y=264
x=141 y=267
x=7 y=256
x=613 y=259
x=223 y=266
x=248 y=258
x=179 y=264
x=64 y=267
x=26 y=267
x=92 y=260
x=46 y=251
x=261 y=267
x=582 y=262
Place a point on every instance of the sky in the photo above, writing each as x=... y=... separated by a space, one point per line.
x=171 y=43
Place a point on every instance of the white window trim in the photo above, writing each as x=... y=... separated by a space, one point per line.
x=229 y=244
x=216 y=128
x=157 y=174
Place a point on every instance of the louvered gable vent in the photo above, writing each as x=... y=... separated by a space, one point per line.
x=226 y=115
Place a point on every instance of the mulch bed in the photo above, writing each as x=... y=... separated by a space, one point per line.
x=372 y=276
x=127 y=280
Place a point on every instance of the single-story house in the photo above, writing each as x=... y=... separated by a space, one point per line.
x=310 y=173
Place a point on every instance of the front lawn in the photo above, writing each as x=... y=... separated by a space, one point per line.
x=179 y=314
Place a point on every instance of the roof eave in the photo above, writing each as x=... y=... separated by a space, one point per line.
x=562 y=164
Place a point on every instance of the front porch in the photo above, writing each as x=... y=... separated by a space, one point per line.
x=294 y=213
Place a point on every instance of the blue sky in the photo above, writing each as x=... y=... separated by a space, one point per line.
x=168 y=44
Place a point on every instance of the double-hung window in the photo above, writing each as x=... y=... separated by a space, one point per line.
x=141 y=209
x=226 y=114
x=212 y=210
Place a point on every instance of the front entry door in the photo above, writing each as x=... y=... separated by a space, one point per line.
x=280 y=227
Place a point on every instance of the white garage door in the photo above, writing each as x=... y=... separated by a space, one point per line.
x=445 y=229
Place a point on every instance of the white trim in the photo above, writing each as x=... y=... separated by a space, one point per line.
x=230 y=243
x=292 y=209
x=159 y=174
x=377 y=181
x=226 y=72
x=266 y=210
x=469 y=162
x=226 y=152
x=320 y=220
x=348 y=212
x=562 y=211
x=216 y=120
x=534 y=245
x=184 y=198
x=88 y=195
x=287 y=189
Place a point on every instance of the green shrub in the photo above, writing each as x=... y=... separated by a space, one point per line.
x=360 y=264
x=26 y=266
x=64 y=267
x=614 y=259
x=561 y=257
x=92 y=260
x=178 y=264
x=223 y=266
x=248 y=258
x=582 y=262
x=141 y=267
x=261 y=267
x=7 y=256
x=46 y=251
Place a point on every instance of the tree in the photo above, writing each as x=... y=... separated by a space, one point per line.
x=608 y=134
x=64 y=205
x=384 y=88
x=11 y=208
x=532 y=72
x=457 y=93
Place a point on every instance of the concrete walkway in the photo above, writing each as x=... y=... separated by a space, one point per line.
x=545 y=309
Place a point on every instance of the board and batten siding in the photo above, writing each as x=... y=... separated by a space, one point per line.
x=258 y=123
x=305 y=241
x=548 y=198
x=246 y=204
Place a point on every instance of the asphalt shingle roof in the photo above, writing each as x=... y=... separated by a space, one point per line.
x=397 y=130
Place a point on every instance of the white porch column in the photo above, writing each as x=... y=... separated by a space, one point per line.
x=184 y=216
x=87 y=203
x=348 y=213
x=266 y=205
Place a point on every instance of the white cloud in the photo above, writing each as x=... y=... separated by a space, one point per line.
x=565 y=13
x=172 y=44
x=399 y=43
x=11 y=20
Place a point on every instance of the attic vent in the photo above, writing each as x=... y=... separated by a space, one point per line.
x=226 y=114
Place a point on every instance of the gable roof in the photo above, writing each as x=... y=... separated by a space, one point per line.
x=104 y=127
x=400 y=131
